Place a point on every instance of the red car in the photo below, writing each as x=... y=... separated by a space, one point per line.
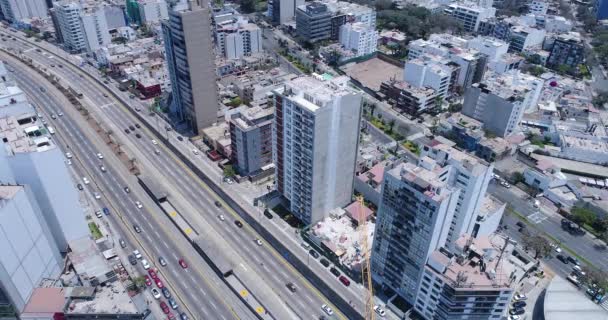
x=344 y=281
x=159 y=283
x=171 y=316
x=183 y=263
x=148 y=281
x=152 y=274
x=165 y=307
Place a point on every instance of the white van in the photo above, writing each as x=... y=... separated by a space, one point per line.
x=51 y=130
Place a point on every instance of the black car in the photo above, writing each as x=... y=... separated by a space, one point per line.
x=132 y=259
x=517 y=311
x=334 y=271
x=127 y=131
x=180 y=138
x=520 y=224
x=138 y=135
x=79 y=186
x=238 y=223
x=313 y=253
x=183 y=316
x=166 y=293
x=268 y=214
x=574 y=261
x=291 y=287
x=562 y=258
x=123 y=244
x=136 y=228
x=519 y=304
x=132 y=128
x=218 y=204
x=137 y=126
x=127 y=190
x=324 y=262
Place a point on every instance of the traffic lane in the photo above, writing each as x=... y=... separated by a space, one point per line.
x=91 y=162
x=552 y=226
x=245 y=246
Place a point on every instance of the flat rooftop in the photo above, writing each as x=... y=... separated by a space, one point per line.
x=313 y=94
x=425 y=179
x=109 y=299
x=513 y=84
x=563 y=301
x=23 y=134
x=371 y=73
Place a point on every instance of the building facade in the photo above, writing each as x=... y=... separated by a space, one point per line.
x=251 y=140
x=470 y=15
x=409 y=99
x=315 y=139
x=313 y=22
x=568 y=50
x=17 y=10
x=190 y=60
x=360 y=38
x=68 y=24
x=95 y=28
x=413 y=220
x=283 y=11
x=153 y=11
x=237 y=39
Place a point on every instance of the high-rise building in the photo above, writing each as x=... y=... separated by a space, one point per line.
x=346 y=12
x=313 y=22
x=315 y=139
x=152 y=11
x=470 y=14
x=430 y=73
x=283 y=11
x=251 y=140
x=567 y=50
x=360 y=38
x=17 y=10
x=474 y=281
x=66 y=17
x=467 y=173
x=95 y=28
x=500 y=100
x=191 y=64
x=238 y=38
x=413 y=220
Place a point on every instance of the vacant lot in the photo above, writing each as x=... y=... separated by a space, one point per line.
x=372 y=72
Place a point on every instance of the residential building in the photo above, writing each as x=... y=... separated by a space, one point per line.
x=538 y=7
x=345 y=12
x=498 y=58
x=408 y=98
x=557 y=24
x=114 y=17
x=474 y=281
x=238 y=38
x=567 y=50
x=84 y=27
x=95 y=27
x=283 y=11
x=360 y=38
x=132 y=11
x=413 y=220
x=191 y=63
x=315 y=139
x=251 y=141
x=152 y=11
x=463 y=172
x=430 y=74
x=18 y=10
x=66 y=16
x=601 y=9
x=500 y=101
x=525 y=38
x=470 y=14
x=313 y=22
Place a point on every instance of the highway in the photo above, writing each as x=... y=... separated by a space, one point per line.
x=198 y=290
x=260 y=260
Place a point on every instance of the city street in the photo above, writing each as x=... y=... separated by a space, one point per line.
x=192 y=288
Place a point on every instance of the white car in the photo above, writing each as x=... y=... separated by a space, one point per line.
x=98 y=214
x=514 y=317
x=558 y=249
x=520 y=297
x=145 y=263
x=138 y=205
x=155 y=293
x=85 y=180
x=100 y=156
x=379 y=310
x=102 y=168
x=68 y=162
x=137 y=254
x=68 y=155
x=327 y=309
x=97 y=195
x=221 y=216
x=258 y=241
x=195 y=151
x=154 y=142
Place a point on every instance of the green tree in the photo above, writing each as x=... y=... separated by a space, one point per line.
x=540 y=245
x=247 y=6
x=119 y=40
x=600 y=99
x=582 y=215
x=391 y=124
x=140 y=282
x=533 y=59
x=235 y=102
x=517 y=177
x=229 y=171
x=600 y=225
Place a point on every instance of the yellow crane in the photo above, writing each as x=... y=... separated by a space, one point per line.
x=366 y=264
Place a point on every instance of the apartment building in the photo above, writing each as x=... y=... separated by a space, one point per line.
x=238 y=38
x=345 y=12
x=524 y=38
x=315 y=139
x=18 y=10
x=474 y=281
x=432 y=74
x=470 y=14
x=537 y=7
x=251 y=140
x=413 y=220
x=95 y=27
x=567 y=50
x=500 y=100
x=83 y=27
x=499 y=60
x=66 y=18
x=191 y=63
x=359 y=37
x=152 y=11
x=283 y=11
x=408 y=98
x=313 y=22
x=471 y=176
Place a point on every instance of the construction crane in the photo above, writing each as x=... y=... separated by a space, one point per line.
x=366 y=265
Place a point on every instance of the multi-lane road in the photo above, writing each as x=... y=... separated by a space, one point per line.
x=196 y=288
x=272 y=270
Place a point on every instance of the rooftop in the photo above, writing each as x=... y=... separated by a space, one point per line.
x=8 y=192
x=22 y=134
x=109 y=299
x=45 y=301
x=589 y=143
x=509 y=85
x=563 y=301
x=88 y=262
x=428 y=181
x=313 y=94
x=252 y=117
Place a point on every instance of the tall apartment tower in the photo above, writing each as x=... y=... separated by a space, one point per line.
x=190 y=58
x=17 y=10
x=469 y=174
x=66 y=17
x=414 y=217
x=283 y=11
x=315 y=138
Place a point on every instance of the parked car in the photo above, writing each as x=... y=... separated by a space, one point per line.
x=148 y=281
x=132 y=259
x=172 y=303
x=166 y=292
x=313 y=253
x=379 y=310
x=155 y=293
x=574 y=260
x=562 y=258
x=145 y=264
x=519 y=304
x=327 y=309
x=520 y=297
x=137 y=254
x=324 y=262
x=517 y=311
x=334 y=271
x=122 y=243
x=344 y=280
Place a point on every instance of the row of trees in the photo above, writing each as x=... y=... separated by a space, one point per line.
x=583 y=216
x=417 y=22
